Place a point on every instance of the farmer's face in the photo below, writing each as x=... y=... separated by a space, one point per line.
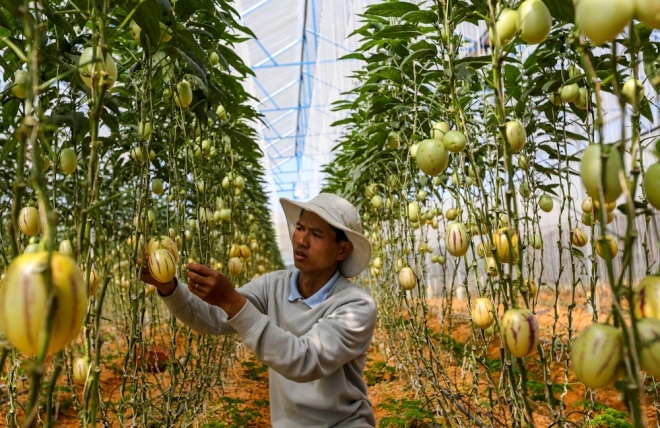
x=315 y=248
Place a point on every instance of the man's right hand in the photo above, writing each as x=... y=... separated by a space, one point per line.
x=214 y=288
x=164 y=288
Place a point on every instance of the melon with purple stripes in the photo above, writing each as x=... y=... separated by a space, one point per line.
x=649 y=344
x=162 y=265
x=24 y=301
x=456 y=239
x=163 y=242
x=597 y=355
x=506 y=245
x=519 y=332
x=407 y=278
x=646 y=300
x=235 y=266
x=28 y=221
x=483 y=313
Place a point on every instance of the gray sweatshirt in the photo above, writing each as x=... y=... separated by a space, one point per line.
x=316 y=356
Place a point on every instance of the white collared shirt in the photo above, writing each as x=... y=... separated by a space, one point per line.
x=316 y=298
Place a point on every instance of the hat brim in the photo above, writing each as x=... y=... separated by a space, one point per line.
x=359 y=258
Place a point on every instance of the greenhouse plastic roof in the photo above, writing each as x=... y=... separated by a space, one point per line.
x=298 y=76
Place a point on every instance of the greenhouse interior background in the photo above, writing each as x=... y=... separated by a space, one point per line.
x=504 y=157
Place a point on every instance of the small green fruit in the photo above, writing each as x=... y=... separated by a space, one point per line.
x=545 y=203
x=68 y=161
x=534 y=21
x=454 y=141
x=568 y=93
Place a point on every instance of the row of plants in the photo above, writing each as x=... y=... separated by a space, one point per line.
x=126 y=134
x=462 y=163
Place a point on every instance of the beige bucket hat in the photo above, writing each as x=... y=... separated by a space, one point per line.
x=339 y=213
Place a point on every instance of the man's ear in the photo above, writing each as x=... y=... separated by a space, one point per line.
x=345 y=250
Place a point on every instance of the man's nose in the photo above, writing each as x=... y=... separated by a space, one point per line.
x=301 y=238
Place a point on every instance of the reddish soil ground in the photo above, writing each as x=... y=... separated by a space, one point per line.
x=389 y=390
x=575 y=396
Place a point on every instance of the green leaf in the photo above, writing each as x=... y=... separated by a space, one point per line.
x=575 y=136
x=625 y=208
x=389 y=73
x=194 y=63
x=148 y=23
x=195 y=81
x=639 y=206
x=187 y=42
x=12 y=6
x=110 y=121
x=383 y=104
x=230 y=57
x=4 y=22
x=5 y=65
x=244 y=145
x=423 y=52
x=511 y=74
x=8 y=146
x=649 y=54
x=56 y=20
x=549 y=188
x=392 y=10
x=420 y=17
x=645 y=110
x=475 y=62
x=398 y=32
x=464 y=72
x=166 y=14
x=551 y=85
x=342 y=122
x=354 y=55
x=552 y=153
x=186 y=9
x=201 y=33
x=561 y=10
x=10 y=110
x=576 y=252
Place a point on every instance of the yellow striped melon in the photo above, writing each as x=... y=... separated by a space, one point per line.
x=28 y=221
x=519 y=332
x=456 y=239
x=163 y=242
x=162 y=265
x=23 y=301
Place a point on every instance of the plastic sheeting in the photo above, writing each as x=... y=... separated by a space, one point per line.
x=298 y=77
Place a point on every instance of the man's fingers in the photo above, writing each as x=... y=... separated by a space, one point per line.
x=200 y=269
x=196 y=278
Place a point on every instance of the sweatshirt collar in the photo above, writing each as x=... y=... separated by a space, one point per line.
x=315 y=299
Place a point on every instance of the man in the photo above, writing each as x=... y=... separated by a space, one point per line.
x=312 y=327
